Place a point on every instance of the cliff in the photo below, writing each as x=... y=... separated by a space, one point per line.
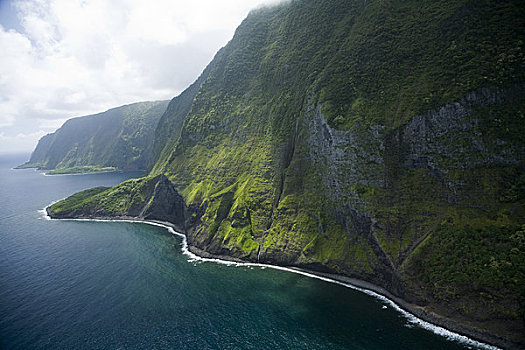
x=120 y=138
x=148 y=198
x=380 y=140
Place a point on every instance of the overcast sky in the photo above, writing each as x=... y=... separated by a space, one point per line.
x=65 y=58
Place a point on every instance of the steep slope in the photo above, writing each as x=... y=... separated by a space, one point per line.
x=148 y=198
x=121 y=138
x=381 y=140
x=170 y=124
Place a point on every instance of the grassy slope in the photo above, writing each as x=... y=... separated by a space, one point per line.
x=169 y=127
x=378 y=64
x=244 y=164
x=126 y=199
x=80 y=170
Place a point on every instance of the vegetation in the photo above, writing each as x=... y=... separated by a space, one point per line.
x=77 y=200
x=28 y=166
x=120 y=138
x=377 y=139
x=169 y=127
x=80 y=170
x=126 y=199
x=405 y=57
x=487 y=264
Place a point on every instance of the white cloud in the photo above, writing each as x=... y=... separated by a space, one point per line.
x=50 y=125
x=78 y=57
x=20 y=142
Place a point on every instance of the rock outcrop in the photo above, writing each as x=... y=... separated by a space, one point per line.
x=154 y=198
x=379 y=140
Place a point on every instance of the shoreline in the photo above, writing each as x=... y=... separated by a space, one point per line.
x=44 y=173
x=89 y=173
x=416 y=315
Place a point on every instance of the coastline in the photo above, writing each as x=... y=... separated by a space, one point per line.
x=44 y=172
x=415 y=314
x=74 y=174
x=50 y=172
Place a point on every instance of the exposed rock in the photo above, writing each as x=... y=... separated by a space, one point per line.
x=344 y=158
x=163 y=203
x=447 y=138
x=166 y=205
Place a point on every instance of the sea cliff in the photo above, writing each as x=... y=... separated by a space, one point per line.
x=378 y=140
x=118 y=139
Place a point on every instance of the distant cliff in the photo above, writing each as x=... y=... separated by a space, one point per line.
x=381 y=140
x=120 y=138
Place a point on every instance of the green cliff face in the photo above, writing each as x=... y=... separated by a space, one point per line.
x=381 y=140
x=147 y=198
x=120 y=138
x=167 y=132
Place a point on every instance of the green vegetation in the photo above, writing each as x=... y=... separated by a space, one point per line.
x=80 y=170
x=483 y=268
x=28 y=166
x=169 y=127
x=126 y=199
x=120 y=138
x=404 y=57
x=429 y=207
x=77 y=200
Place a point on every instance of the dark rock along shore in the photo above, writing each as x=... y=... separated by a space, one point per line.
x=166 y=207
x=381 y=141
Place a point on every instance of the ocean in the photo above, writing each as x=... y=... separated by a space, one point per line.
x=122 y=285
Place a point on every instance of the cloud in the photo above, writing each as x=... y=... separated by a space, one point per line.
x=20 y=142
x=78 y=57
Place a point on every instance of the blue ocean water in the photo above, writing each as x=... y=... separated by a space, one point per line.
x=110 y=285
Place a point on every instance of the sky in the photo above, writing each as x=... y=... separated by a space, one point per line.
x=65 y=58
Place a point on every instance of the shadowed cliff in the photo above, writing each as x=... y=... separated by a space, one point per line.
x=381 y=140
x=120 y=138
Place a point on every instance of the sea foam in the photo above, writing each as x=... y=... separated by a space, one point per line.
x=412 y=319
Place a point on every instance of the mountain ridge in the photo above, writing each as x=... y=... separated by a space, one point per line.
x=357 y=138
x=119 y=138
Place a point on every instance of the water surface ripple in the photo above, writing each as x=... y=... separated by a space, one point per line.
x=114 y=285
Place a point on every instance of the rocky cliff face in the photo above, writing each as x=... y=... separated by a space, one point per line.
x=165 y=204
x=371 y=182
x=121 y=137
x=381 y=140
x=366 y=171
x=152 y=198
x=448 y=138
